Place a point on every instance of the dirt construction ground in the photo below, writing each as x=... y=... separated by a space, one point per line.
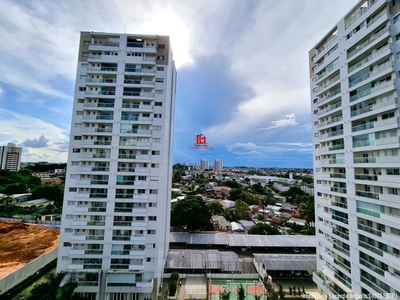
x=20 y=243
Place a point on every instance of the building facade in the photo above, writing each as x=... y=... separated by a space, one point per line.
x=218 y=166
x=354 y=71
x=204 y=164
x=10 y=157
x=116 y=213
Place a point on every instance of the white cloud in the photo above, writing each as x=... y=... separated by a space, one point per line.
x=288 y=121
x=49 y=146
x=39 y=142
x=252 y=149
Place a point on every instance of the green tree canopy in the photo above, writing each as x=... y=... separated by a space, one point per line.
x=232 y=184
x=53 y=192
x=50 y=289
x=193 y=213
x=242 y=209
x=215 y=208
x=264 y=229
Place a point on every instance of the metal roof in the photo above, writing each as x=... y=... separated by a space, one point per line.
x=287 y=262
x=203 y=259
x=243 y=240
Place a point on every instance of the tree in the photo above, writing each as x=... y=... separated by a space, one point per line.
x=250 y=198
x=215 y=208
x=258 y=189
x=232 y=184
x=51 y=289
x=242 y=209
x=281 y=293
x=294 y=194
x=234 y=194
x=193 y=213
x=264 y=229
x=53 y=192
x=307 y=211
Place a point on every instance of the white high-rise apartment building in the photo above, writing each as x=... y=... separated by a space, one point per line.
x=116 y=213
x=204 y=164
x=218 y=166
x=10 y=157
x=354 y=72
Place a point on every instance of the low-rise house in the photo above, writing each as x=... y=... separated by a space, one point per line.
x=221 y=223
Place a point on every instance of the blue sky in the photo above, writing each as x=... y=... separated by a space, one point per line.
x=242 y=72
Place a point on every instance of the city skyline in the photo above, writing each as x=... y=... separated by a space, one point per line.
x=243 y=74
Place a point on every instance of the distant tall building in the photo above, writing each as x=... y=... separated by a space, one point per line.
x=10 y=157
x=116 y=213
x=204 y=164
x=355 y=85
x=218 y=165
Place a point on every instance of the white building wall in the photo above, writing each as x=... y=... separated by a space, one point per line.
x=116 y=213
x=354 y=94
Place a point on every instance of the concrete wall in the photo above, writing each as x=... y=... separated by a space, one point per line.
x=19 y=275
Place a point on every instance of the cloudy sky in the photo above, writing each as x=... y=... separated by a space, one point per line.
x=242 y=72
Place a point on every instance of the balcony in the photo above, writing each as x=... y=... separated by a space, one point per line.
x=104 y=44
x=373 y=90
x=389 y=102
x=336 y=147
x=142 y=71
x=331 y=95
x=134 y=156
x=138 y=94
x=101 y=80
x=100 y=93
x=386 y=66
x=366 y=194
x=136 y=131
x=336 y=161
x=366 y=177
x=139 y=82
x=329 y=108
x=365 y=44
x=102 y=69
x=331 y=121
x=385 y=49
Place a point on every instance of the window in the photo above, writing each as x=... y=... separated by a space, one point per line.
x=74 y=163
x=160 y=57
x=142 y=178
x=79 y=113
x=158 y=92
x=67 y=244
x=86 y=43
x=153 y=192
x=82 y=88
x=156 y=127
x=78 y=125
x=160 y=80
x=388 y=115
x=156 y=140
x=151 y=231
x=393 y=171
x=153 y=204
x=392 y=191
x=68 y=230
x=77 y=137
x=69 y=216
x=160 y=68
x=157 y=115
x=157 y=103
x=152 y=218
x=76 y=150
x=155 y=165
x=155 y=152
x=161 y=46
x=141 y=191
x=150 y=259
x=72 y=189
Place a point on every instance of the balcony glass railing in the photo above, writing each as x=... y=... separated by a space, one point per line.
x=340 y=233
x=360 y=160
x=367 y=194
x=364 y=143
x=335 y=133
x=366 y=177
x=363 y=45
x=336 y=147
x=370 y=230
x=368 y=58
x=338 y=175
x=336 y=161
x=363 y=127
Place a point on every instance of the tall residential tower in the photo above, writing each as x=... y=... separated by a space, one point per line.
x=354 y=72
x=10 y=157
x=116 y=213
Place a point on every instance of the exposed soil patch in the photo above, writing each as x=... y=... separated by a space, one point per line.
x=20 y=243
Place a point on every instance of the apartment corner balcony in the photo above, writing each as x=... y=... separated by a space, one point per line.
x=321 y=51
x=331 y=96
x=330 y=134
x=137 y=157
x=101 y=81
x=135 y=144
x=329 y=286
x=381 y=69
x=330 y=107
